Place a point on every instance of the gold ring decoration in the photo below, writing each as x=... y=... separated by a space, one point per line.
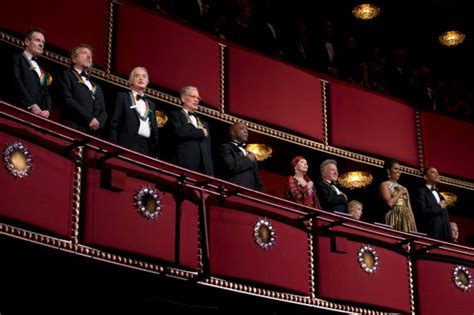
x=368 y=259
x=462 y=278
x=161 y=118
x=148 y=202
x=264 y=234
x=261 y=151
x=18 y=159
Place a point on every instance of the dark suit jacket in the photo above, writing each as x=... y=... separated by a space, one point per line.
x=125 y=122
x=80 y=105
x=237 y=168
x=27 y=85
x=193 y=148
x=432 y=219
x=329 y=199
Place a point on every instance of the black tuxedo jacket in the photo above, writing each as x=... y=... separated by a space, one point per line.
x=237 y=168
x=80 y=105
x=27 y=85
x=125 y=122
x=432 y=219
x=329 y=199
x=193 y=148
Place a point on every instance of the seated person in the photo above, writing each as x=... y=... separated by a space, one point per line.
x=454 y=232
x=237 y=165
x=354 y=208
x=299 y=187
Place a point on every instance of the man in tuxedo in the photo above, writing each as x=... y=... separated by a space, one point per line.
x=431 y=211
x=133 y=122
x=237 y=165
x=29 y=79
x=83 y=99
x=330 y=197
x=191 y=134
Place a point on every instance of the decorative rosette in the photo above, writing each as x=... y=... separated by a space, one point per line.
x=368 y=259
x=462 y=278
x=18 y=159
x=148 y=202
x=264 y=234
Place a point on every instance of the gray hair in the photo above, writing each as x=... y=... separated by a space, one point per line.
x=325 y=163
x=184 y=91
x=132 y=73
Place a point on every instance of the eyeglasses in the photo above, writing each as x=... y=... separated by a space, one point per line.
x=194 y=97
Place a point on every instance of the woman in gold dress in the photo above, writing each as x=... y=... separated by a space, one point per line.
x=400 y=215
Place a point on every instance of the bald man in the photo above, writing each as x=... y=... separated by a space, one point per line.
x=237 y=165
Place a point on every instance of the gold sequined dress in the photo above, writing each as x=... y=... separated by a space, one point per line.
x=400 y=216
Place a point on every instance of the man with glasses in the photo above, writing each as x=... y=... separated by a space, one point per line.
x=191 y=134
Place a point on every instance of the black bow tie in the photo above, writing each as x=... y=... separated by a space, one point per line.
x=34 y=58
x=240 y=145
x=191 y=114
x=141 y=97
x=433 y=188
x=85 y=75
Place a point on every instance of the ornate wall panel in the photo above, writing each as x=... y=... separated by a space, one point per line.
x=372 y=123
x=448 y=145
x=274 y=93
x=235 y=254
x=175 y=56
x=340 y=275
x=437 y=292
x=65 y=25
x=113 y=218
x=36 y=183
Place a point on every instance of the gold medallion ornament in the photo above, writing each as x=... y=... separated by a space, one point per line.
x=264 y=234
x=368 y=259
x=462 y=278
x=17 y=159
x=148 y=202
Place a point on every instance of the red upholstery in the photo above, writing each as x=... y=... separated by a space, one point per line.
x=111 y=220
x=448 y=145
x=43 y=199
x=437 y=293
x=235 y=254
x=65 y=25
x=175 y=56
x=272 y=92
x=367 y=122
x=340 y=277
